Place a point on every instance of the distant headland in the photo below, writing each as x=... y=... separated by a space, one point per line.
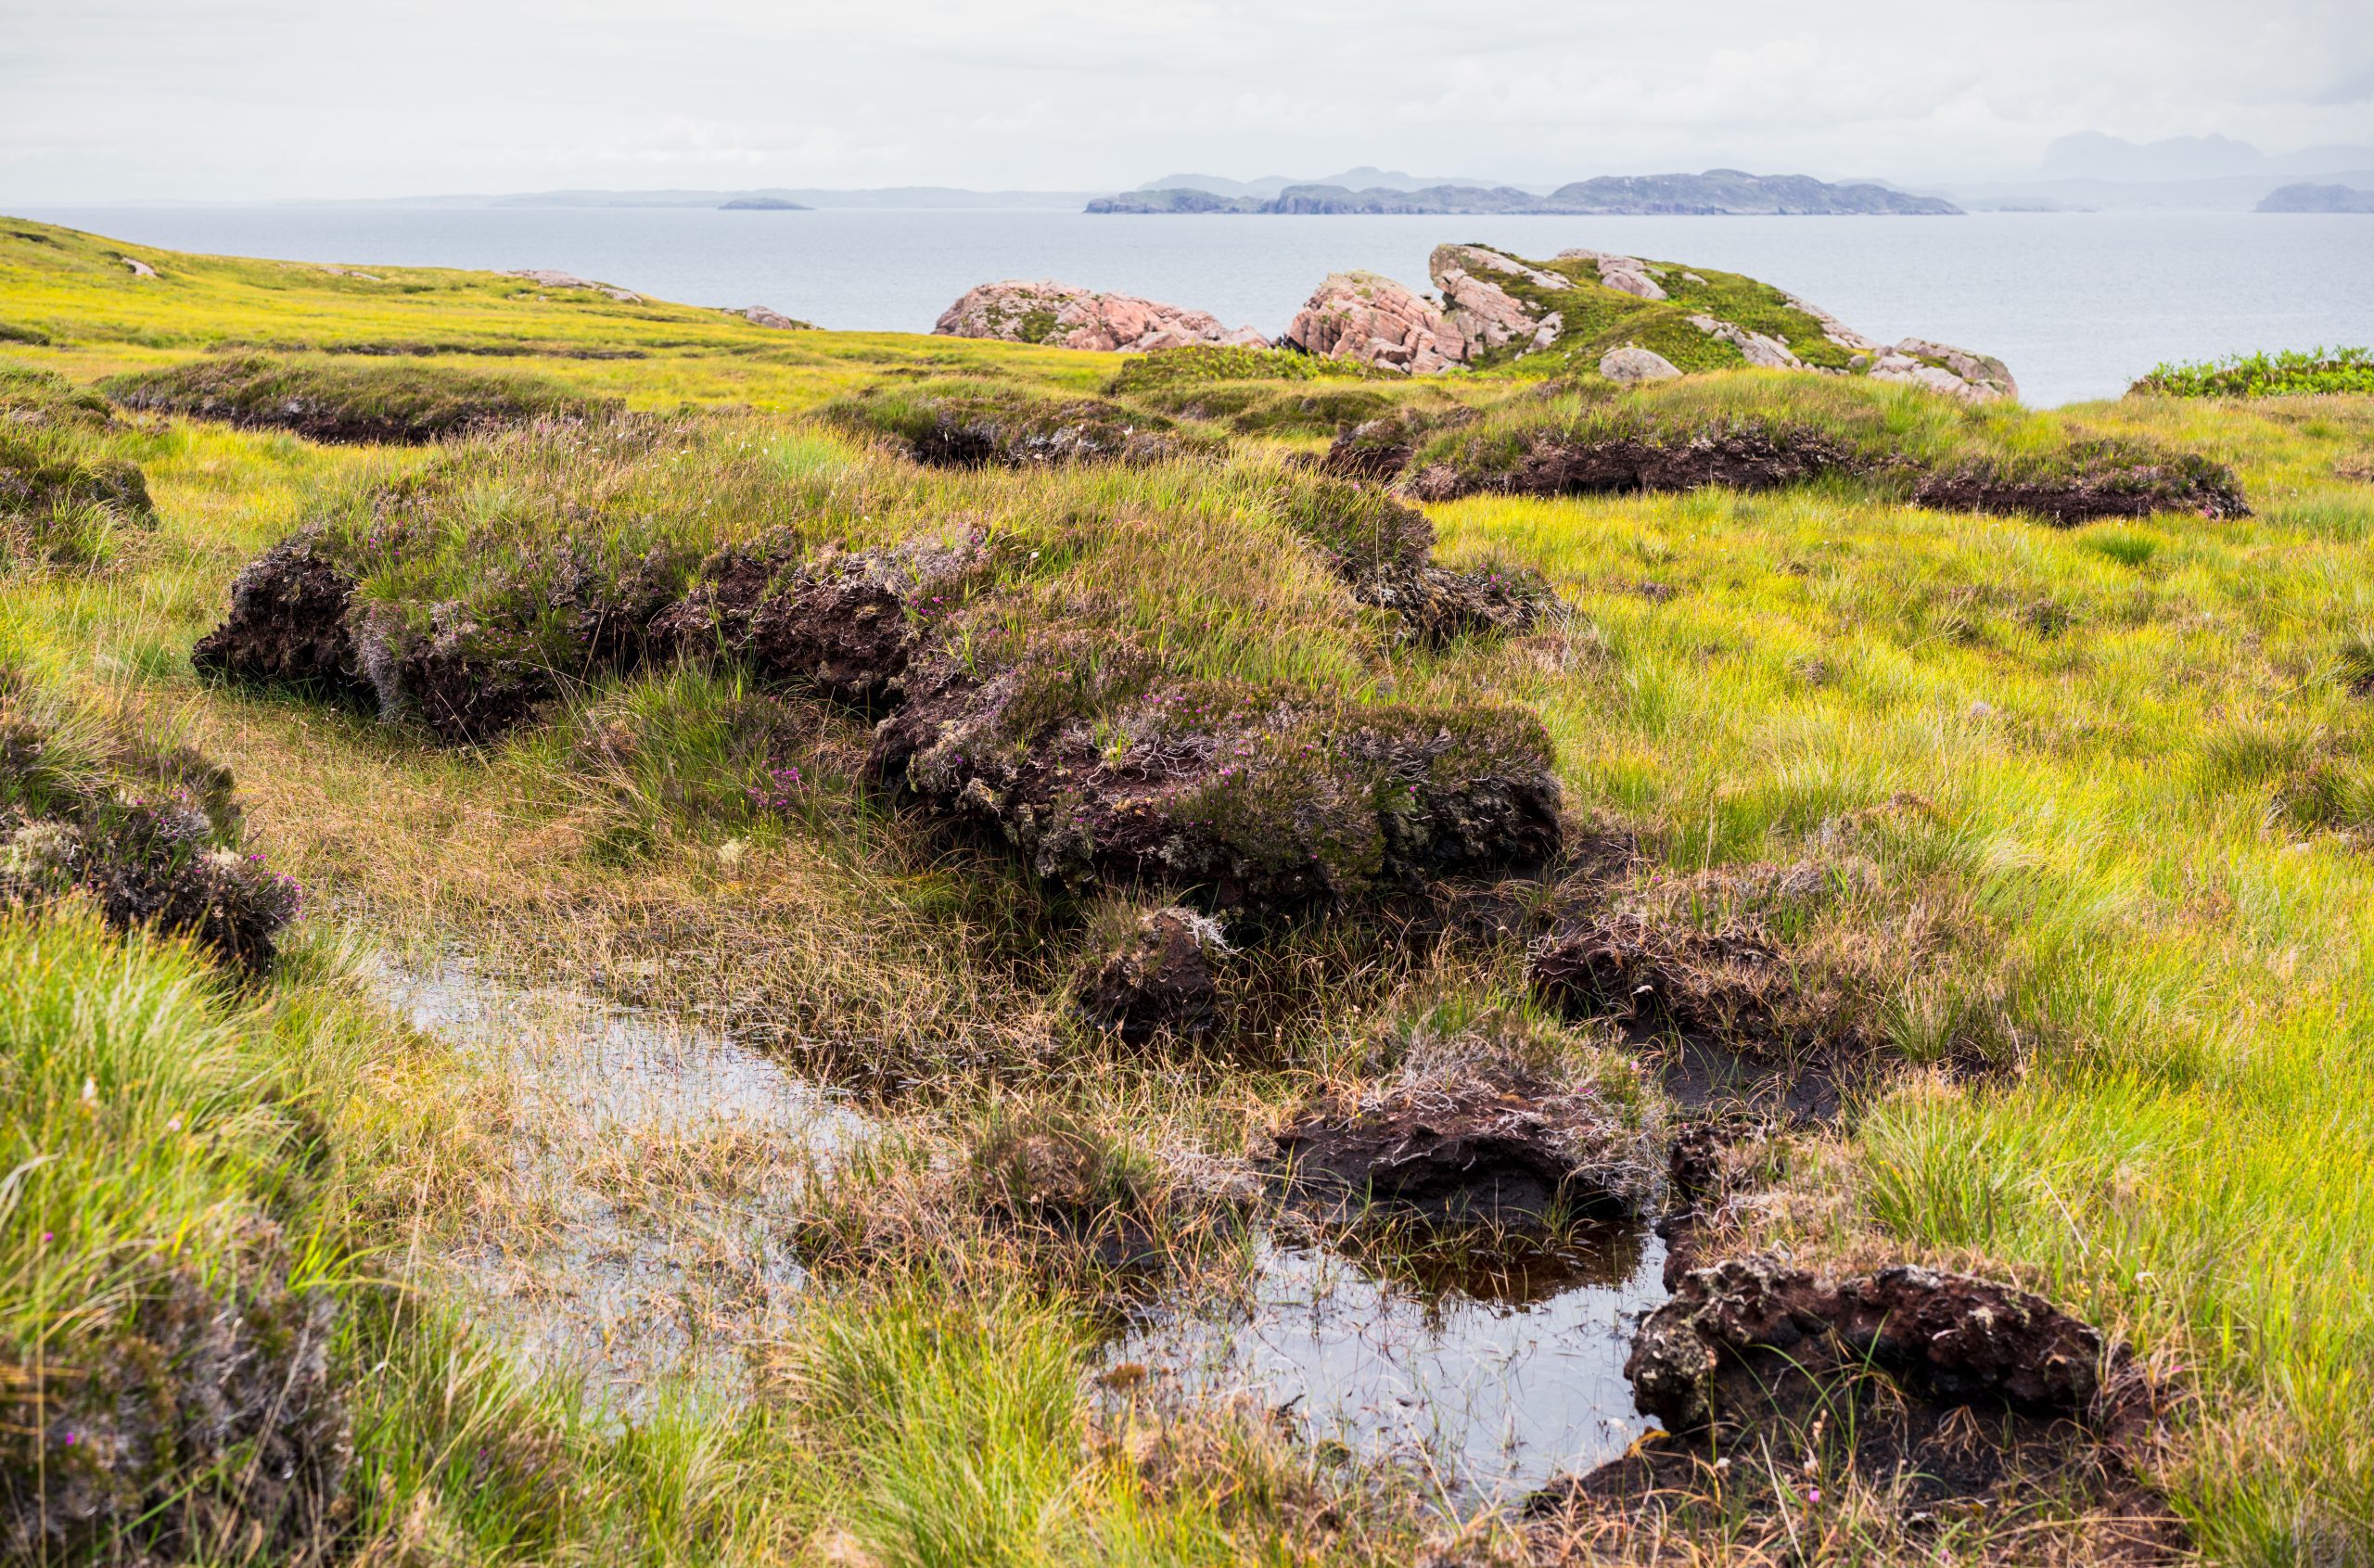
x=1718 y=191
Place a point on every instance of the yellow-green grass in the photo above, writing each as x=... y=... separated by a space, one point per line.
x=74 y=289
x=2137 y=744
x=2118 y=728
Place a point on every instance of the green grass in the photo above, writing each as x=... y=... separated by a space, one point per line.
x=2291 y=372
x=2103 y=788
x=326 y=399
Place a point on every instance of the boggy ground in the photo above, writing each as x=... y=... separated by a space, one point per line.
x=2042 y=847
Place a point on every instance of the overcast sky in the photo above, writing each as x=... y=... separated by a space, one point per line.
x=234 y=99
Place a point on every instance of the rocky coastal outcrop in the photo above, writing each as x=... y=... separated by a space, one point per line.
x=1483 y=311
x=547 y=277
x=1059 y=315
x=1372 y=320
x=1627 y=318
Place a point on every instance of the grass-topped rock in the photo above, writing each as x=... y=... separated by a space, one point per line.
x=1752 y=431
x=339 y=400
x=1568 y=315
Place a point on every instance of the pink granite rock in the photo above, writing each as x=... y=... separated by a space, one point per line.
x=1372 y=320
x=1943 y=367
x=1059 y=315
x=1484 y=313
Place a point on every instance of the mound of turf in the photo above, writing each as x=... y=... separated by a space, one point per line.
x=61 y=494
x=2289 y=374
x=1104 y=766
x=1103 y=769
x=339 y=400
x=1762 y=431
x=1262 y=409
x=973 y=426
x=1170 y=370
x=415 y=600
x=148 y=834
x=1384 y=551
x=1108 y=755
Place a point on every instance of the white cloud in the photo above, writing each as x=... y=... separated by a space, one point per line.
x=245 y=99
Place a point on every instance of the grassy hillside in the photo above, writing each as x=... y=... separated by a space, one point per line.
x=852 y=705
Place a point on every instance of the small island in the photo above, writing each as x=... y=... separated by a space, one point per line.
x=2308 y=198
x=759 y=204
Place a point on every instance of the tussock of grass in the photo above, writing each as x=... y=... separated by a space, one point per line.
x=328 y=400
x=163 y=1337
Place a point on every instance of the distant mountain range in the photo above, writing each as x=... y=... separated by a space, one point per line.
x=2082 y=172
x=1724 y=192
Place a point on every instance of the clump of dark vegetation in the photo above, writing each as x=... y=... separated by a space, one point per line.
x=148 y=834
x=1781 y=987
x=1908 y=1403
x=956 y=426
x=1169 y=370
x=1764 y=431
x=61 y=495
x=288 y=622
x=1156 y=978
x=210 y=1416
x=841 y=623
x=1384 y=551
x=326 y=399
x=2292 y=372
x=1504 y=1122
